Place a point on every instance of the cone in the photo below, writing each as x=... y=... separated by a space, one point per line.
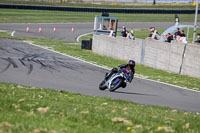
x=54 y=29
x=27 y=29
x=40 y=29
x=72 y=29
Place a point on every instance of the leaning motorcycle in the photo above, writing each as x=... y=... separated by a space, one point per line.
x=116 y=81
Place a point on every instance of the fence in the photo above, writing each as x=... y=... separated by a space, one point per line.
x=157 y=1
x=80 y=9
x=174 y=57
x=114 y=2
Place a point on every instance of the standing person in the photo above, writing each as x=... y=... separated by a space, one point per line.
x=177 y=34
x=153 y=33
x=130 y=35
x=198 y=38
x=182 y=33
x=169 y=37
x=104 y=27
x=123 y=33
x=182 y=37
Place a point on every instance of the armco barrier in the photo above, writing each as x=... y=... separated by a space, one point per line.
x=174 y=57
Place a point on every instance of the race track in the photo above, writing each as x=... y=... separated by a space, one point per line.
x=29 y=65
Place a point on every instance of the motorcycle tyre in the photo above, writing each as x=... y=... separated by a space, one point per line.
x=116 y=86
x=123 y=85
x=102 y=85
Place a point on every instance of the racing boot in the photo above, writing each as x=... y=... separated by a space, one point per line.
x=108 y=75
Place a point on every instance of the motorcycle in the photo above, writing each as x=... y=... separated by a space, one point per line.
x=116 y=81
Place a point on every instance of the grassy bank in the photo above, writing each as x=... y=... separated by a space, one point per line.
x=142 y=71
x=39 y=16
x=37 y=110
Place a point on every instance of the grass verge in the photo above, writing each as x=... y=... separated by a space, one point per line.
x=41 y=16
x=38 y=110
x=141 y=70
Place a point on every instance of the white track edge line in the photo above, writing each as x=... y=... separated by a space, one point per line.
x=104 y=67
x=82 y=35
x=12 y=34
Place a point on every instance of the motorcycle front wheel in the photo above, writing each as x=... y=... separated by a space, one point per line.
x=116 y=84
x=102 y=85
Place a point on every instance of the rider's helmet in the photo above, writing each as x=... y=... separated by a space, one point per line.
x=131 y=64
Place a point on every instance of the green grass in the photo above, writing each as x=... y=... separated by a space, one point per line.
x=39 y=16
x=38 y=110
x=103 y=4
x=141 y=71
x=86 y=37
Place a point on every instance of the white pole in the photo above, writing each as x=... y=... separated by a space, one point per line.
x=195 y=20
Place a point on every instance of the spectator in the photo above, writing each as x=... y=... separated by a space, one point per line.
x=198 y=38
x=130 y=35
x=182 y=33
x=169 y=37
x=182 y=37
x=104 y=27
x=111 y=32
x=153 y=33
x=123 y=33
x=177 y=34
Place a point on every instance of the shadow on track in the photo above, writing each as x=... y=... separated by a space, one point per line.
x=131 y=93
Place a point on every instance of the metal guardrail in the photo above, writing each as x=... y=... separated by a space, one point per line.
x=79 y=9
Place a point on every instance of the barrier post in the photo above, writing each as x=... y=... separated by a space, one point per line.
x=183 y=56
x=143 y=51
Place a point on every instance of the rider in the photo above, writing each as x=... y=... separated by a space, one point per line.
x=130 y=69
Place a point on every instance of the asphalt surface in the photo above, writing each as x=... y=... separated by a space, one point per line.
x=64 y=30
x=30 y=65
